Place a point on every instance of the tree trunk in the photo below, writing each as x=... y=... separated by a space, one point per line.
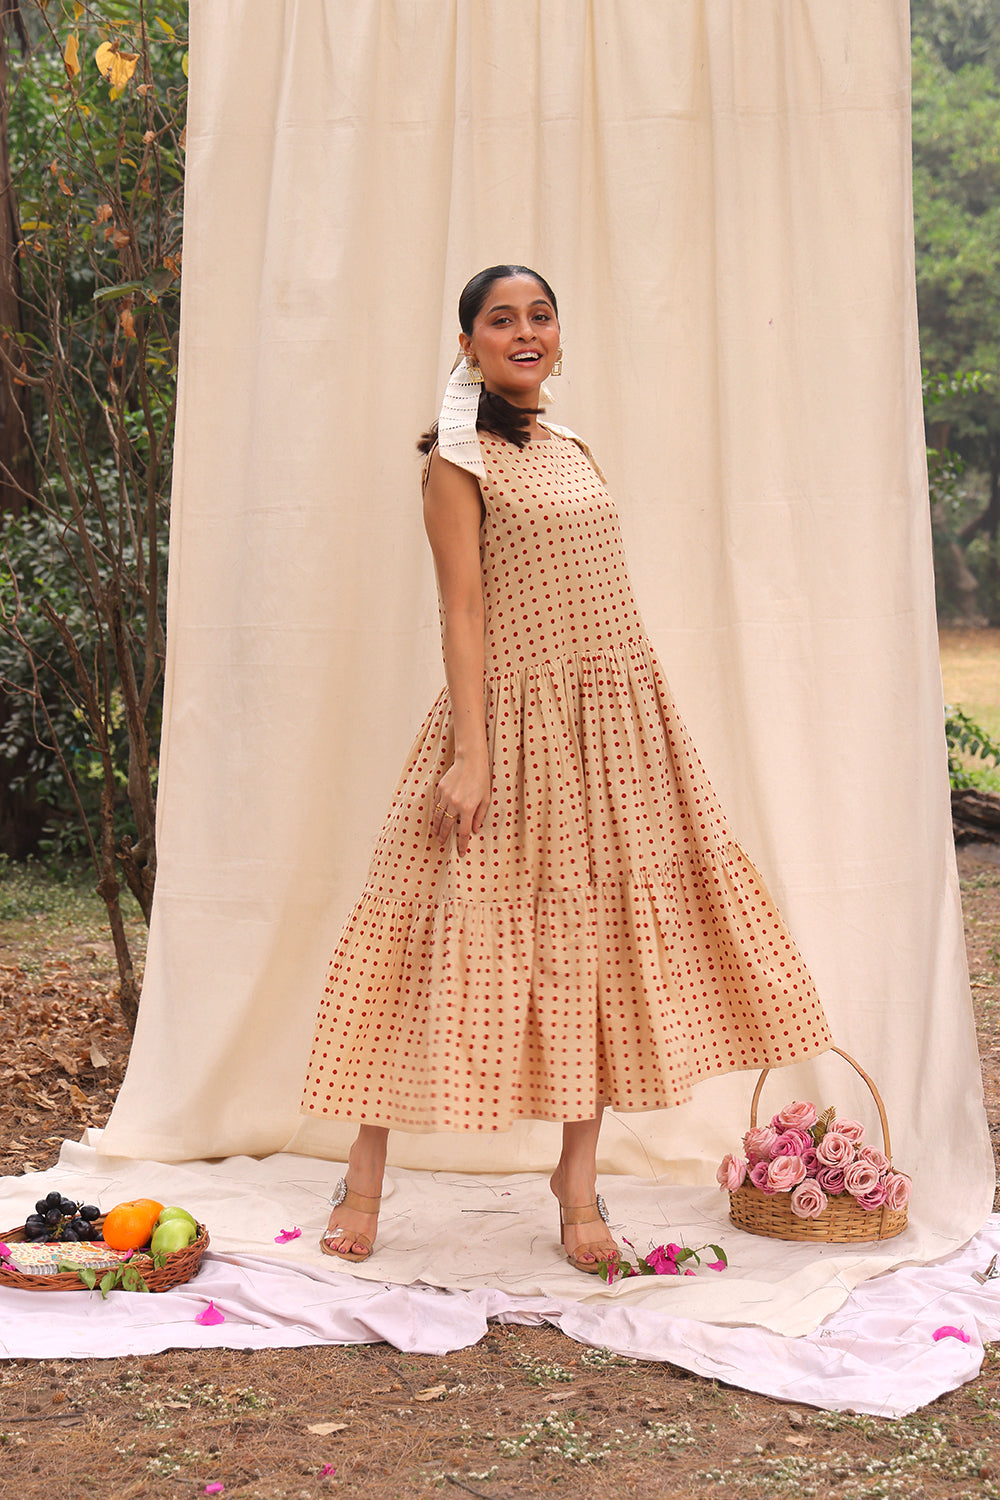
x=975 y=816
x=17 y=476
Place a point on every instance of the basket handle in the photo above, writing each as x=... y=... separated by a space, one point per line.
x=858 y=1069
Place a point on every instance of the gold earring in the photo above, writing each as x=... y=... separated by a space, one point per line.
x=557 y=367
x=475 y=373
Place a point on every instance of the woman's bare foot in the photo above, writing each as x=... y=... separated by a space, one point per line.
x=351 y=1230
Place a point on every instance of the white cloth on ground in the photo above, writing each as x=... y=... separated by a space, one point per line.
x=869 y=1350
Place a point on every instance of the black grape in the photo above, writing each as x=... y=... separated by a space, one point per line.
x=89 y=1211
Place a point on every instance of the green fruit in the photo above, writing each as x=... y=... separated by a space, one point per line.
x=175 y=1234
x=168 y=1214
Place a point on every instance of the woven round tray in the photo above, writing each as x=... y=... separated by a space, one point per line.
x=176 y=1269
x=842 y=1222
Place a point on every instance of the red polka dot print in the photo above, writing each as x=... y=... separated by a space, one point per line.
x=606 y=938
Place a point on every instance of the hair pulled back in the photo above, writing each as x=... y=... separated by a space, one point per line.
x=475 y=293
x=496 y=415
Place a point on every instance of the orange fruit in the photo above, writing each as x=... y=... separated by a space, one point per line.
x=128 y=1226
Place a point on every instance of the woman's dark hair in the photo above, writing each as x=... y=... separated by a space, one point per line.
x=470 y=303
x=512 y=423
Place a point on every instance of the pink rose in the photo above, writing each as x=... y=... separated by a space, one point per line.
x=860 y=1177
x=853 y=1129
x=732 y=1172
x=808 y=1199
x=758 y=1176
x=897 y=1191
x=831 y=1180
x=874 y=1198
x=835 y=1150
x=792 y=1143
x=783 y=1172
x=880 y=1162
x=758 y=1143
x=811 y=1161
x=796 y=1116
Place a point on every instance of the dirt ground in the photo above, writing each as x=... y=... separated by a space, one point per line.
x=524 y=1412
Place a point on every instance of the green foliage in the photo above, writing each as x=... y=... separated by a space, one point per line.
x=96 y=127
x=956 y=186
x=968 y=738
x=956 y=199
x=962 y=32
x=126 y=1276
x=43 y=562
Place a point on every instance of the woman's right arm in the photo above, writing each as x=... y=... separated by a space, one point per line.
x=453 y=510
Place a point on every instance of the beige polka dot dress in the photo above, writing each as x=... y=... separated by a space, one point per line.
x=605 y=938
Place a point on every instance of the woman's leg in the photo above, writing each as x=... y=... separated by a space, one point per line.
x=365 y=1166
x=574 y=1183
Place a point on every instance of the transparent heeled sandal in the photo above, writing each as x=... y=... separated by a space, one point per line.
x=590 y=1213
x=344 y=1197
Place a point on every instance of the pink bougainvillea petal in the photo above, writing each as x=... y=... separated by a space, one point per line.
x=208 y=1317
x=947 y=1332
x=326 y=1470
x=716 y=1265
x=4 y=1252
x=284 y=1235
x=213 y=1489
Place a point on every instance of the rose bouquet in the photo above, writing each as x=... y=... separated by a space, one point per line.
x=815 y=1158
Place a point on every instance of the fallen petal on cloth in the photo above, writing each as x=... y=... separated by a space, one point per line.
x=210 y=1316
x=951 y=1333
x=284 y=1235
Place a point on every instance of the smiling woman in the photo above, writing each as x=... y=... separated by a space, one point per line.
x=509 y=319
x=557 y=917
x=514 y=338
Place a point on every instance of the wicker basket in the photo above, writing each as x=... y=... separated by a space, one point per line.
x=176 y=1269
x=842 y=1222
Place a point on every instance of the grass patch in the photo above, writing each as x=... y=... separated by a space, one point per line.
x=970 y=670
x=35 y=890
x=43 y=908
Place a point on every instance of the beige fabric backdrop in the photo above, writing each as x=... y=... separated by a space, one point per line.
x=719 y=191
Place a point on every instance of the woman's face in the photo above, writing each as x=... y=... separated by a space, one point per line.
x=514 y=339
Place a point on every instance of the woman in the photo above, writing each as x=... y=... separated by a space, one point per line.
x=557 y=917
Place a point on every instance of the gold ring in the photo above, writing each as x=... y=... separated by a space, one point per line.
x=450 y=815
